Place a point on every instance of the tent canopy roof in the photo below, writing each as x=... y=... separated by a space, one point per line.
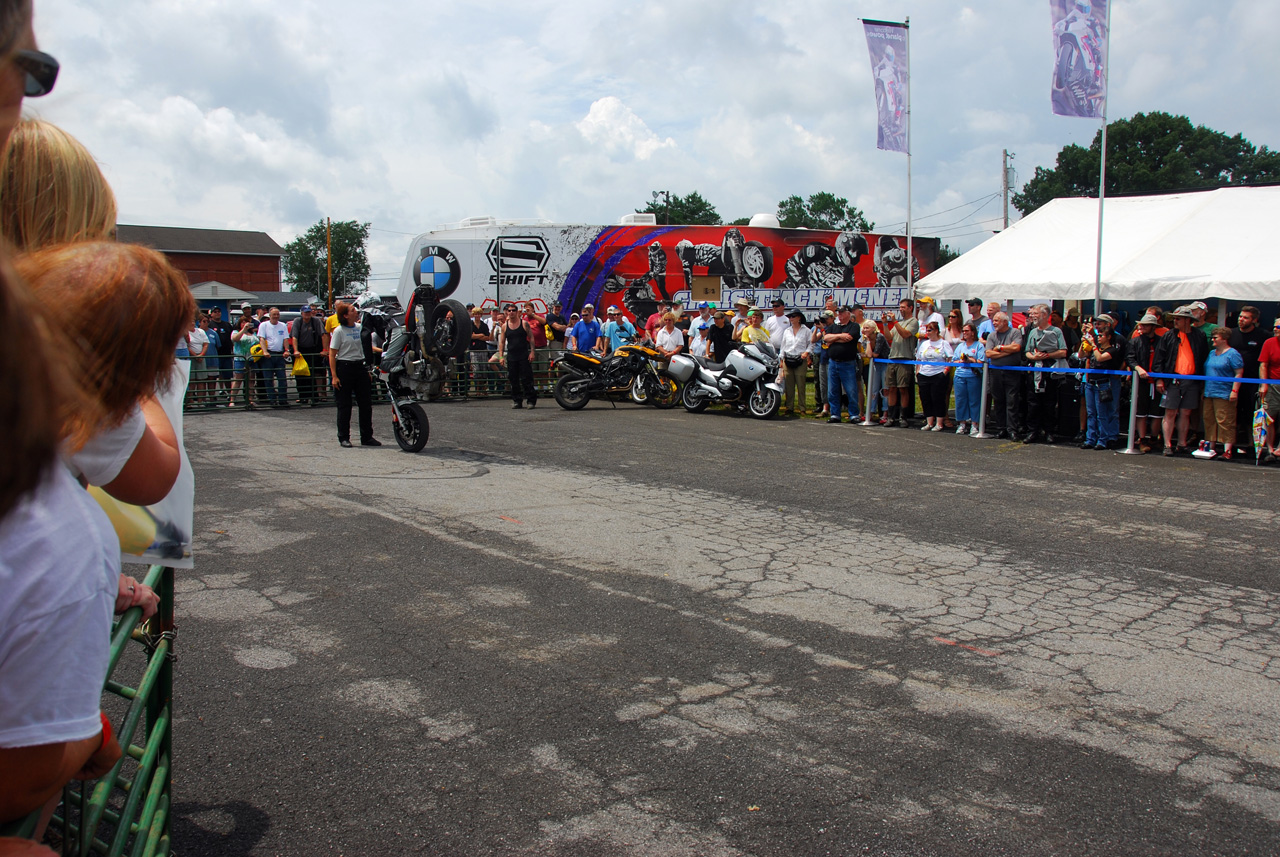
x=1185 y=246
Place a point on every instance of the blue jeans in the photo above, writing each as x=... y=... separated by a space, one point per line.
x=272 y=368
x=842 y=375
x=968 y=390
x=1104 y=417
x=875 y=404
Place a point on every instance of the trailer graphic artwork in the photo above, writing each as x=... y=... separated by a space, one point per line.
x=638 y=266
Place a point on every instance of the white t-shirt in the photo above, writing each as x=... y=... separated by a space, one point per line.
x=274 y=335
x=669 y=340
x=59 y=572
x=105 y=455
x=199 y=342
x=775 y=324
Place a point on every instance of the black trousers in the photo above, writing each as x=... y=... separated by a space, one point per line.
x=353 y=379
x=935 y=392
x=1042 y=405
x=1007 y=390
x=520 y=374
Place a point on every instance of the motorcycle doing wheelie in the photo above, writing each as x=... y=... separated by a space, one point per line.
x=414 y=357
x=633 y=370
x=743 y=380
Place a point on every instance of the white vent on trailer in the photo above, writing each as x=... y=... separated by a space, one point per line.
x=764 y=221
x=646 y=219
x=472 y=222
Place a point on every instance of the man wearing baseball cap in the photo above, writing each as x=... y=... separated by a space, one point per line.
x=1181 y=351
x=776 y=322
x=556 y=321
x=309 y=340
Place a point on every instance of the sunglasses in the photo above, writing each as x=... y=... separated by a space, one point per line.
x=39 y=70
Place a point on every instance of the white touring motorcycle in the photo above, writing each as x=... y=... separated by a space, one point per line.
x=743 y=380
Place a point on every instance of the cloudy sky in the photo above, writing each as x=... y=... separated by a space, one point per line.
x=257 y=114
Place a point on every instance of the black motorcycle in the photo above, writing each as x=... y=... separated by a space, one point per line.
x=631 y=370
x=414 y=357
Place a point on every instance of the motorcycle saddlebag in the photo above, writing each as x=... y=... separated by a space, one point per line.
x=580 y=362
x=681 y=367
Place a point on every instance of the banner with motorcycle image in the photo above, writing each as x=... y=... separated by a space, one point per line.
x=1080 y=57
x=887 y=44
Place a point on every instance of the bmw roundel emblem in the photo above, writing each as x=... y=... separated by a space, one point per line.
x=438 y=269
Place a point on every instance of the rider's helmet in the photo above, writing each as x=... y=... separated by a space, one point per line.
x=1084 y=7
x=890 y=56
x=845 y=252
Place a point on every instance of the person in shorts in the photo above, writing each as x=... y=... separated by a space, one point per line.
x=902 y=346
x=1181 y=351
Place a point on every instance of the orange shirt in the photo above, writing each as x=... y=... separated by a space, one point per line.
x=1186 y=364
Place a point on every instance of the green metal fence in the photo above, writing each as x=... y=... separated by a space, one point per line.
x=465 y=378
x=127 y=810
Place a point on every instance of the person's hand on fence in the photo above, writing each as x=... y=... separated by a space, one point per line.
x=101 y=761
x=134 y=594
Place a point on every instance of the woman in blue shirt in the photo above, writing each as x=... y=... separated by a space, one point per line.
x=1220 y=396
x=968 y=384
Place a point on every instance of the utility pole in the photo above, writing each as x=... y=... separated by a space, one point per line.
x=328 y=256
x=1005 y=169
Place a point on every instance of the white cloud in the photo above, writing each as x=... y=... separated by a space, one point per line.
x=614 y=127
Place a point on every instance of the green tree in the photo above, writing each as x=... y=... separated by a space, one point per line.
x=690 y=210
x=822 y=211
x=1151 y=152
x=305 y=260
x=946 y=254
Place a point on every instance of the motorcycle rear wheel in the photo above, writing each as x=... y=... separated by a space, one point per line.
x=412 y=429
x=571 y=392
x=763 y=404
x=692 y=403
x=449 y=337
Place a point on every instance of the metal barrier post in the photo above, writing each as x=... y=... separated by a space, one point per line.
x=1133 y=419
x=866 y=402
x=982 y=410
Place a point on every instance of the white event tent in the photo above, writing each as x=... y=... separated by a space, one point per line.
x=1223 y=243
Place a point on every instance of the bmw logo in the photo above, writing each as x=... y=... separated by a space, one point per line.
x=438 y=269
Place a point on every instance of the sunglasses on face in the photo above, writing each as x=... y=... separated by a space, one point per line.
x=40 y=72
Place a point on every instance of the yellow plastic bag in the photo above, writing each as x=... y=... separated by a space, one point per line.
x=257 y=352
x=134 y=525
x=301 y=369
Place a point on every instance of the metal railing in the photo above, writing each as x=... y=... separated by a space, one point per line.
x=465 y=378
x=127 y=810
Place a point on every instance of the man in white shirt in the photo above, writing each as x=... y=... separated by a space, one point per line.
x=697 y=342
x=274 y=335
x=777 y=322
x=928 y=313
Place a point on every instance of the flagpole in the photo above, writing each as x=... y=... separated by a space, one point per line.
x=911 y=280
x=1102 y=171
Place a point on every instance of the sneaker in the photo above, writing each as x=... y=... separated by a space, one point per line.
x=833 y=419
x=973 y=432
x=372 y=441
x=903 y=424
x=938 y=427
x=1168 y=452
x=962 y=428
x=517 y=405
x=926 y=427
x=345 y=444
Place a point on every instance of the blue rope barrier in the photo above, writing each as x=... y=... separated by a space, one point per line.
x=1071 y=370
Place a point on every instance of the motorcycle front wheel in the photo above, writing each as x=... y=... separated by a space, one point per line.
x=667 y=392
x=764 y=403
x=640 y=390
x=571 y=392
x=412 y=428
x=694 y=404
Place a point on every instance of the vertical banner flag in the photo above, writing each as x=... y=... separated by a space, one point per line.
x=887 y=44
x=1080 y=57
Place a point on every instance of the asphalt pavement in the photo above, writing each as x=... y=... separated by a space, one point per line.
x=640 y=632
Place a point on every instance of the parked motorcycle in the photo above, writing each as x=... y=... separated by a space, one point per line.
x=631 y=370
x=414 y=357
x=742 y=380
